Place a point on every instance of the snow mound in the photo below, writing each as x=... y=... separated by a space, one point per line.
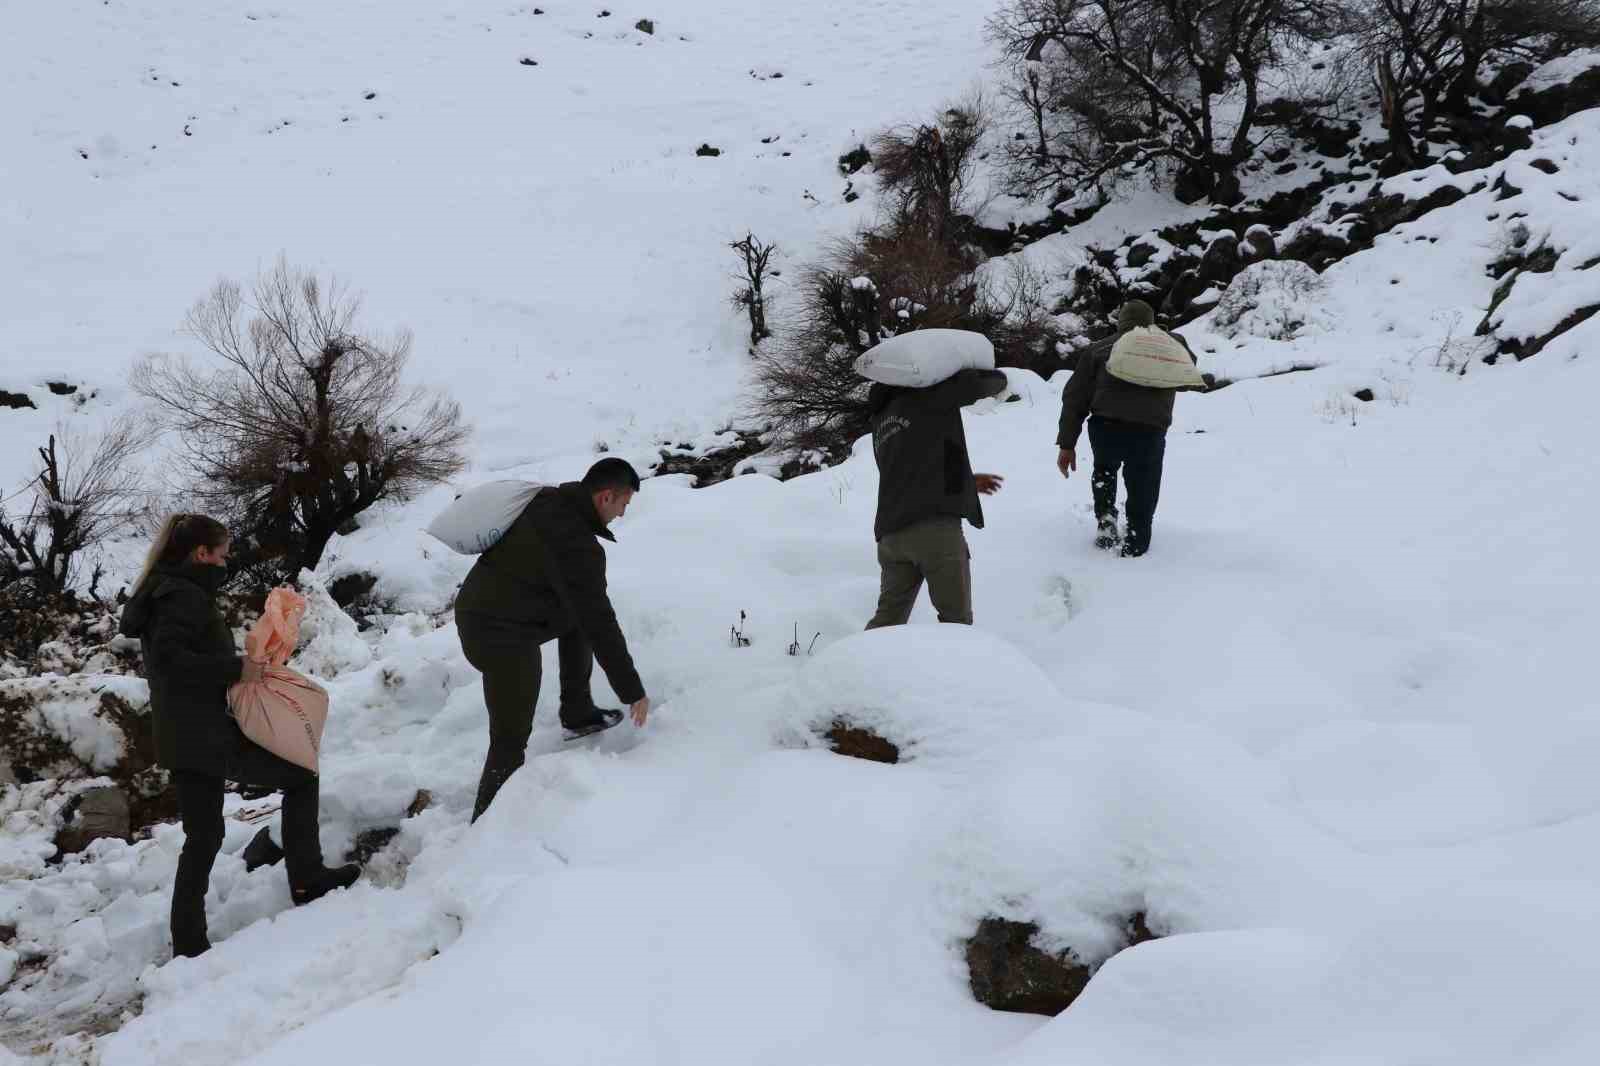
x=30 y=815
x=330 y=641
x=949 y=693
x=1263 y=997
x=1277 y=299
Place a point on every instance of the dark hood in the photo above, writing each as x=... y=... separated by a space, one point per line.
x=136 y=612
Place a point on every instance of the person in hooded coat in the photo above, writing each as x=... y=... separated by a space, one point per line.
x=190 y=661
x=1127 y=432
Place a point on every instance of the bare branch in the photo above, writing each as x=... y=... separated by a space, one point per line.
x=304 y=420
x=1101 y=87
x=86 y=488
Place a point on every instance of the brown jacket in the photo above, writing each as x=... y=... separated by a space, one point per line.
x=547 y=576
x=1091 y=390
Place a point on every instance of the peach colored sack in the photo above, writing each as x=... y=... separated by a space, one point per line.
x=277 y=632
x=284 y=712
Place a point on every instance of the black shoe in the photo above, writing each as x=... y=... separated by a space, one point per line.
x=261 y=851
x=1108 y=538
x=323 y=882
x=188 y=947
x=597 y=720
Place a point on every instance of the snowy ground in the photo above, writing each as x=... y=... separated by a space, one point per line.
x=1335 y=734
x=547 y=225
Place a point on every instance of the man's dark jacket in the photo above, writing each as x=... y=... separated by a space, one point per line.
x=546 y=577
x=1093 y=390
x=921 y=448
x=189 y=660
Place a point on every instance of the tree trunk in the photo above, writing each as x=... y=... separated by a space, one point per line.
x=1226 y=189
x=1393 y=101
x=758 y=318
x=317 y=538
x=1036 y=106
x=1465 y=84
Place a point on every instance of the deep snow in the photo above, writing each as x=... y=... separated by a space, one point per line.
x=1335 y=734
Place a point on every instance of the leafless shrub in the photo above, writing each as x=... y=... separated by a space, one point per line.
x=807 y=390
x=875 y=286
x=86 y=488
x=928 y=168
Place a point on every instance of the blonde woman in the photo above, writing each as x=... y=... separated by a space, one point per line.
x=190 y=661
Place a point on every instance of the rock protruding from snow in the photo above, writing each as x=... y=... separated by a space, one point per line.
x=99 y=813
x=1259 y=244
x=858 y=743
x=1559 y=89
x=1221 y=260
x=1009 y=973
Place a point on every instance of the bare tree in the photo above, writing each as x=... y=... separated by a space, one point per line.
x=807 y=390
x=1427 y=55
x=1523 y=29
x=929 y=167
x=307 y=422
x=86 y=489
x=755 y=257
x=872 y=287
x=1016 y=314
x=1109 y=84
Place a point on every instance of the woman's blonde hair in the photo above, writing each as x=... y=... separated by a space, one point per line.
x=177 y=538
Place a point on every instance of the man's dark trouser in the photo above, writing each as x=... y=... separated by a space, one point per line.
x=511 y=669
x=934 y=551
x=200 y=804
x=1137 y=451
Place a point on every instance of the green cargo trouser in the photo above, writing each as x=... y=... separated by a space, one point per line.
x=934 y=551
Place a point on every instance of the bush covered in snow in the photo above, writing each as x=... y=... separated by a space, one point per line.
x=1278 y=299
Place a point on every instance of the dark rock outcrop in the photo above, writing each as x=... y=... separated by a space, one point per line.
x=94 y=814
x=860 y=743
x=1008 y=972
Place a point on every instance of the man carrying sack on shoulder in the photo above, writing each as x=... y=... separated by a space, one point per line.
x=926 y=486
x=543 y=580
x=1124 y=387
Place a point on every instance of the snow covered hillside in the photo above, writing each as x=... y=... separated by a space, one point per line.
x=549 y=225
x=1333 y=740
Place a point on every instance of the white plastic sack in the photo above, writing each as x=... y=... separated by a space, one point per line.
x=480 y=516
x=1154 y=358
x=926 y=357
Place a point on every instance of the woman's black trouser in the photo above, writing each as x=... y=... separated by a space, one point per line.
x=200 y=804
